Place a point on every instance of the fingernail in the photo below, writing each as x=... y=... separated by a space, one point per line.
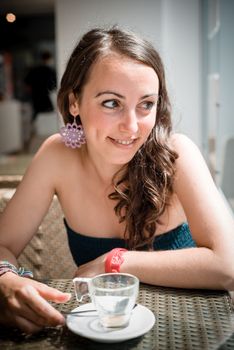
x=68 y=295
x=62 y=321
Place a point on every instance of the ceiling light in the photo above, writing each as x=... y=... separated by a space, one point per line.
x=10 y=17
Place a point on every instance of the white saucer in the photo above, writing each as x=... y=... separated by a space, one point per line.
x=142 y=320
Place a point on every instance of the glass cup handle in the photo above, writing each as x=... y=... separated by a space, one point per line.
x=81 y=286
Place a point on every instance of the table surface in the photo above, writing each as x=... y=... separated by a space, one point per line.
x=185 y=319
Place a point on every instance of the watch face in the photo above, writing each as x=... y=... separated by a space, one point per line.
x=117 y=260
x=114 y=259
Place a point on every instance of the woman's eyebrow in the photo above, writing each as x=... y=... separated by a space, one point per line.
x=149 y=95
x=109 y=93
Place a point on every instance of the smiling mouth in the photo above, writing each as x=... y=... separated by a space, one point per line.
x=123 y=142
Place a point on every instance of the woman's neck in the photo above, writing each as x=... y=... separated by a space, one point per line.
x=102 y=172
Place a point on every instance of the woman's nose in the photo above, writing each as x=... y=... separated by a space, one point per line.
x=129 y=123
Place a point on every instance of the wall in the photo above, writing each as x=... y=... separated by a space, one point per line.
x=218 y=90
x=171 y=25
x=181 y=39
x=226 y=57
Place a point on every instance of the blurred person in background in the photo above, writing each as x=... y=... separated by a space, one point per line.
x=41 y=81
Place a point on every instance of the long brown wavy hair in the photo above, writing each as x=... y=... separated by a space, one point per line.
x=143 y=187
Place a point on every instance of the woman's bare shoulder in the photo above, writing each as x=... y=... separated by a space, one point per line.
x=179 y=141
x=53 y=143
x=51 y=158
x=54 y=148
x=187 y=150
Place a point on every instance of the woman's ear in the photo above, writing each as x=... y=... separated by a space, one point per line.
x=73 y=104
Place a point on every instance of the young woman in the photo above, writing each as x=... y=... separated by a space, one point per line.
x=136 y=197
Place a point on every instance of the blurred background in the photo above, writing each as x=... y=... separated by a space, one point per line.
x=194 y=37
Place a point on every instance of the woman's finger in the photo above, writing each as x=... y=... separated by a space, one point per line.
x=26 y=326
x=20 y=309
x=52 y=294
x=39 y=306
x=8 y=318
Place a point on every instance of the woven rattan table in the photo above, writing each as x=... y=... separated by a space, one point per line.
x=185 y=319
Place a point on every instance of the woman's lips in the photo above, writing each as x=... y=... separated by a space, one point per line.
x=123 y=142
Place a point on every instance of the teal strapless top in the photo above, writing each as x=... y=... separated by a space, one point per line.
x=86 y=248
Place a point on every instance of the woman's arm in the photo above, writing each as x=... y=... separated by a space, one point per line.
x=31 y=201
x=22 y=300
x=210 y=265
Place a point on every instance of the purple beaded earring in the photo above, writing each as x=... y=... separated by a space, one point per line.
x=73 y=134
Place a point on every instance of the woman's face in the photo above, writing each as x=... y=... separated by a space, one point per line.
x=118 y=108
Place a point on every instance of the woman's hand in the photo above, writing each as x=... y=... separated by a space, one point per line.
x=23 y=303
x=92 y=268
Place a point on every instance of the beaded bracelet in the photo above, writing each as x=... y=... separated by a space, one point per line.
x=6 y=266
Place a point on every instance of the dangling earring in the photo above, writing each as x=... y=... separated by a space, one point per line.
x=73 y=134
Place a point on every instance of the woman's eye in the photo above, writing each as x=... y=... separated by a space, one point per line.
x=148 y=105
x=110 y=104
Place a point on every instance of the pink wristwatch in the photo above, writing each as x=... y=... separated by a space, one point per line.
x=114 y=259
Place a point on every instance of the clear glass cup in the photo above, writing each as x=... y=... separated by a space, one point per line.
x=113 y=295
